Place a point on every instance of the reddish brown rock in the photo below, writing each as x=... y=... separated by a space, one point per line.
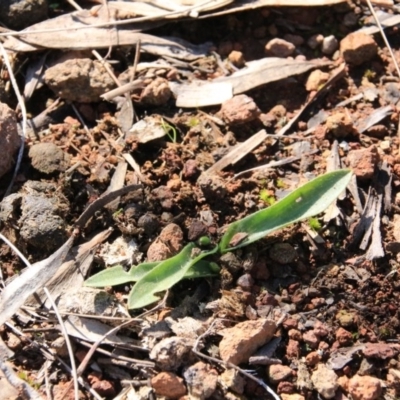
x=9 y=138
x=379 y=350
x=363 y=162
x=293 y=349
x=344 y=337
x=311 y=339
x=104 y=388
x=364 y=388
x=339 y=125
x=278 y=373
x=241 y=341
x=201 y=380
x=290 y=323
x=190 y=169
x=313 y=358
x=169 y=385
x=239 y=110
x=295 y=334
x=165 y=196
x=358 y=47
x=285 y=387
x=321 y=329
x=167 y=244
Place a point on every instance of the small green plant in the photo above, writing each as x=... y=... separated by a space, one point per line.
x=25 y=377
x=117 y=213
x=170 y=131
x=369 y=74
x=280 y=184
x=266 y=197
x=314 y=223
x=153 y=278
x=192 y=122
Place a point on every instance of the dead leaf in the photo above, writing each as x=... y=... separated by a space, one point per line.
x=76 y=31
x=32 y=279
x=237 y=152
x=244 y=5
x=256 y=73
x=72 y=272
x=340 y=357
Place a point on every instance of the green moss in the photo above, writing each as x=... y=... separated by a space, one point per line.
x=266 y=197
x=314 y=224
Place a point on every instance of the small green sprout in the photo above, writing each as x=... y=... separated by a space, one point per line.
x=117 y=213
x=153 y=278
x=169 y=130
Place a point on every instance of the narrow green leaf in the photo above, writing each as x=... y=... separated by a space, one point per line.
x=306 y=201
x=165 y=275
x=118 y=276
x=139 y=271
x=109 y=277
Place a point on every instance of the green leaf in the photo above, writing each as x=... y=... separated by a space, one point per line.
x=199 y=270
x=165 y=275
x=118 y=276
x=306 y=201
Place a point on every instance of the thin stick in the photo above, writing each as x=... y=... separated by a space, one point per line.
x=51 y=356
x=68 y=342
x=17 y=252
x=64 y=331
x=95 y=345
x=47 y=383
x=82 y=121
x=21 y=104
x=135 y=61
x=384 y=36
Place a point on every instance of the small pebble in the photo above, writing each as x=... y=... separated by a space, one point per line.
x=246 y=282
x=297 y=40
x=236 y=58
x=329 y=45
x=384 y=145
x=314 y=41
x=279 y=48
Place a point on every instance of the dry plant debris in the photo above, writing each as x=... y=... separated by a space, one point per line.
x=143 y=126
